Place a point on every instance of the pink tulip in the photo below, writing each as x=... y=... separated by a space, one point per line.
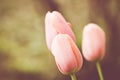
x=56 y=24
x=67 y=56
x=93 y=43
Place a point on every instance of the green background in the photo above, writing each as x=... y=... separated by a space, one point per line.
x=23 y=51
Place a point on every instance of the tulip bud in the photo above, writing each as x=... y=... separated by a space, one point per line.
x=67 y=56
x=56 y=24
x=93 y=42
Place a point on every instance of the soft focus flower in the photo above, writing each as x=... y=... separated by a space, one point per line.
x=67 y=56
x=56 y=24
x=93 y=42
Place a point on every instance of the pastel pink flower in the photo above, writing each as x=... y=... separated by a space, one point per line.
x=56 y=24
x=93 y=42
x=67 y=56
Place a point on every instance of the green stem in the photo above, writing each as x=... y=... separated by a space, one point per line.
x=73 y=77
x=99 y=71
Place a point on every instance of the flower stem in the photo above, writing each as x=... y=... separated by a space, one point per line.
x=73 y=77
x=99 y=71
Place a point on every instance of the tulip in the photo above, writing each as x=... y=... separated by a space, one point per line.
x=56 y=24
x=67 y=56
x=93 y=42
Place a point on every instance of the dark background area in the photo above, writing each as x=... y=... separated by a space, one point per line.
x=23 y=51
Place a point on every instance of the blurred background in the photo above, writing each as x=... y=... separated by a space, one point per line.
x=23 y=51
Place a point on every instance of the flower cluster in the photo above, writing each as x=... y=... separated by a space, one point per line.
x=60 y=41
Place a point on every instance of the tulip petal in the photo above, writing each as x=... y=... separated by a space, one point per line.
x=61 y=25
x=93 y=43
x=56 y=24
x=50 y=31
x=67 y=60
